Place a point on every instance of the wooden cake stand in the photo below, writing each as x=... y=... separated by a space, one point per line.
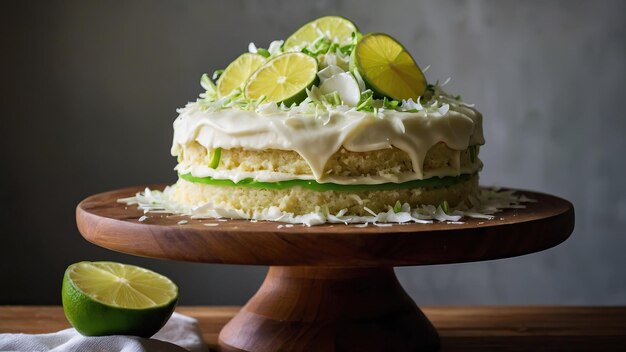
x=329 y=287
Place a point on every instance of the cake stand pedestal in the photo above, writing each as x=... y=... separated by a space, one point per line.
x=330 y=287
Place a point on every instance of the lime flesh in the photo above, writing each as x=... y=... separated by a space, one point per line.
x=338 y=29
x=387 y=68
x=284 y=78
x=238 y=72
x=107 y=298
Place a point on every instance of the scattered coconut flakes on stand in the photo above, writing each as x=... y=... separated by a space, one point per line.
x=486 y=203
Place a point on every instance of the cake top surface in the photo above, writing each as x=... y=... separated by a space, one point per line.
x=326 y=87
x=325 y=65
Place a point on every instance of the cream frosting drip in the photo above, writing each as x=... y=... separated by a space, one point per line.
x=316 y=139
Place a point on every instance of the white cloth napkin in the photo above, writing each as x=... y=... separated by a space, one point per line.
x=181 y=333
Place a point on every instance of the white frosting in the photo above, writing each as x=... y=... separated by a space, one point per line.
x=317 y=138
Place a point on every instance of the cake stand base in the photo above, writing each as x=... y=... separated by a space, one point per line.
x=330 y=309
x=330 y=287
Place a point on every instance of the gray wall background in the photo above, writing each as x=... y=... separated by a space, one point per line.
x=89 y=91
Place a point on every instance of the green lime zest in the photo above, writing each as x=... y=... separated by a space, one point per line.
x=445 y=207
x=390 y=104
x=433 y=182
x=321 y=45
x=214 y=157
x=263 y=52
x=366 y=101
x=397 y=207
x=332 y=98
x=209 y=86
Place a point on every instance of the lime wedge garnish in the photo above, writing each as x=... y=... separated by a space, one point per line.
x=387 y=68
x=337 y=29
x=106 y=298
x=238 y=72
x=284 y=78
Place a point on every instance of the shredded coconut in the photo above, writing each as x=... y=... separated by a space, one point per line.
x=486 y=203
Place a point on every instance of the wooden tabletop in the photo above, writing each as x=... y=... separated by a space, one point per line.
x=476 y=328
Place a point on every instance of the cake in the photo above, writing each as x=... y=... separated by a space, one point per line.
x=327 y=125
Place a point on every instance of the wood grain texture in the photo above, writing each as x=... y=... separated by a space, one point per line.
x=329 y=309
x=107 y=223
x=461 y=328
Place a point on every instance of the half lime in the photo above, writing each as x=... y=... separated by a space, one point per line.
x=107 y=298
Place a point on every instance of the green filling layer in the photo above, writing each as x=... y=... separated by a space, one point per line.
x=433 y=182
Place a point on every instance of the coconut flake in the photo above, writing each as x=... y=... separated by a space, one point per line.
x=411 y=105
x=369 y=211
x=483 y=205
x=444 y=109
x=275 y=47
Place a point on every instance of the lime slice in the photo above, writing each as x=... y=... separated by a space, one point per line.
x=387 y=68
x=106 y=298
x=238 y=72
x=338 y=29
x=284 y=78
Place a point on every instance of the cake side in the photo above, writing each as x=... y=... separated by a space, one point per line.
x=343 y=163
x=298 y=200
